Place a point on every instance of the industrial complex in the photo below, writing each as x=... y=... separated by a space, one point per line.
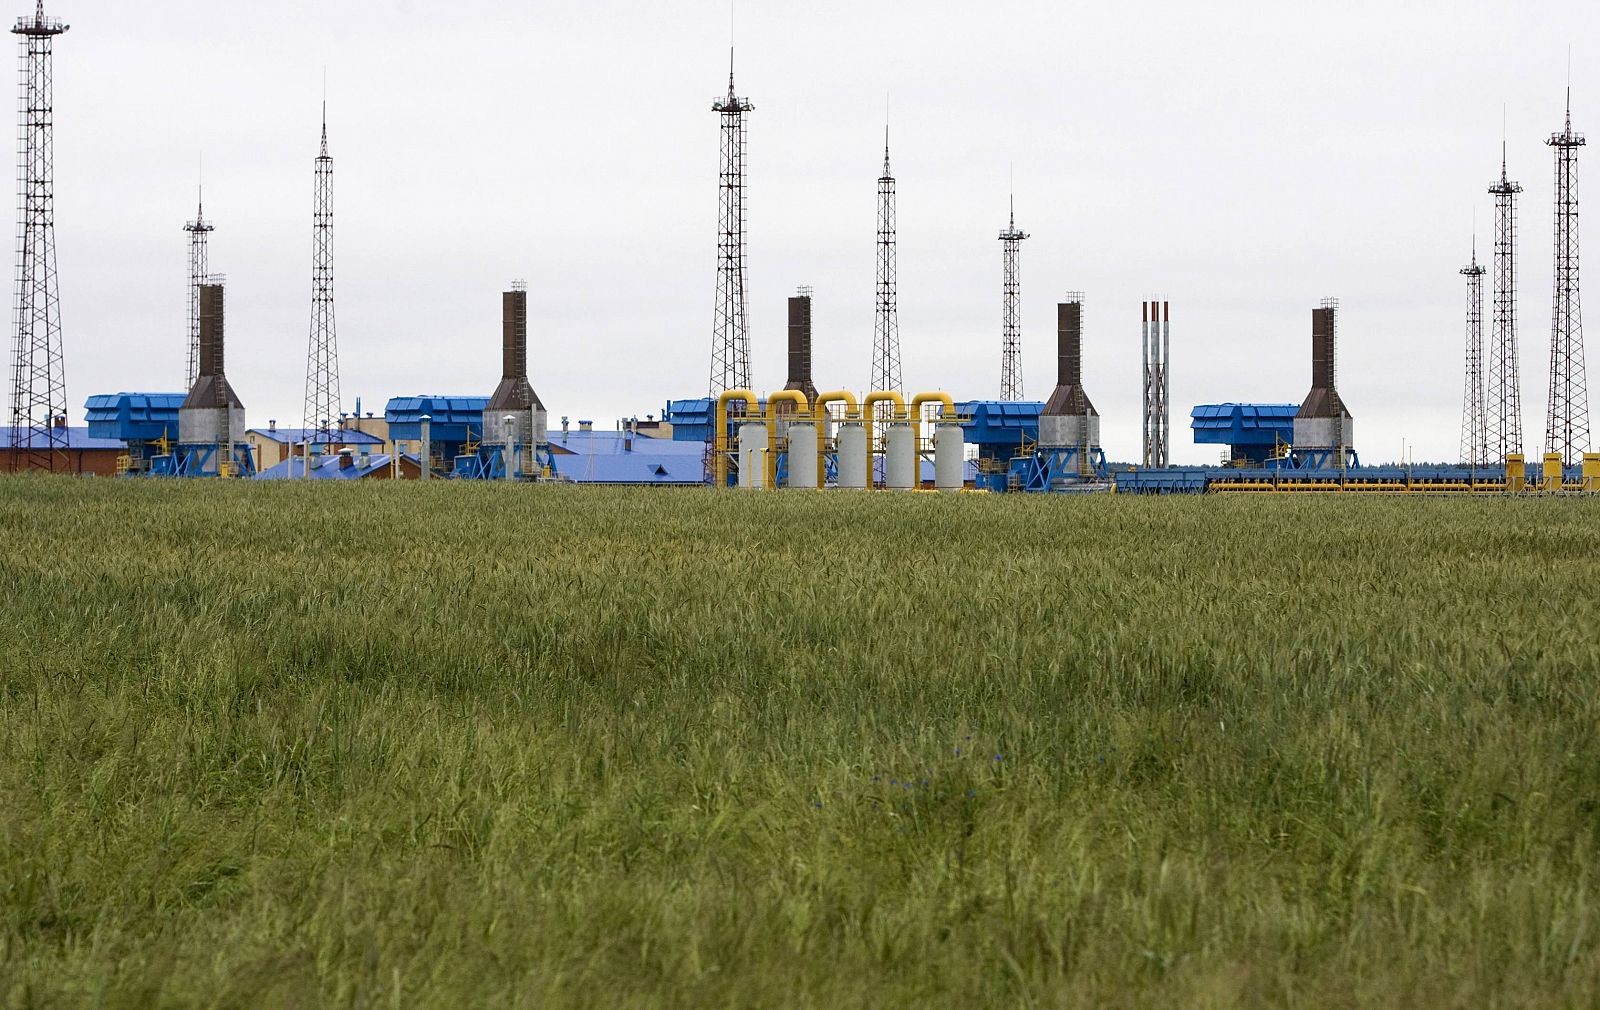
x=801 y=436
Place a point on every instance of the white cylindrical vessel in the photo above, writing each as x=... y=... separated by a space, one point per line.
x=949 y=457
x=852 y=455
x=803 y=454
x=753 y=455
x=900 y=455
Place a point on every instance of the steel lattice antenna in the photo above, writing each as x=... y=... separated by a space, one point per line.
x=38 y=381
x=886 y=324
x=730 y=330
x=1503 y=391
x=1474 y=426
x=1567 y=418
x=199 y=269
x=1011 y=320
x=322 y=354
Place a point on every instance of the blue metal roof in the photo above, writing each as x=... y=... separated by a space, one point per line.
x=637 y=467
x=1000 y=422
x=598 y=457
x=691 y=420
x=1263 y=424
x=75 y=438
x=611 y=442
x=317 y=436
x=453 y=418
x=133 y=417
x=328 y=468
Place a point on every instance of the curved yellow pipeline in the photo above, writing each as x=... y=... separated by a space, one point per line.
x=803 y=407
x=837 y=396
x=881 y=396
x=820 y=413
x=943 y=399
x=719 y=453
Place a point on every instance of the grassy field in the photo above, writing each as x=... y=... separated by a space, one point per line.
x=446 y=746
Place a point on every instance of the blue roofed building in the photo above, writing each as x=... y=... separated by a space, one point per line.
x=1253 y=432
x=587 y=456
x=140 y=422
x=75 y=450
x=272 y=445
x=346 y=464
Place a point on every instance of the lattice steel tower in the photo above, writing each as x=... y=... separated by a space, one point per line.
x=1503 y=391
x=38 y=382
x=886 y=324
x=322 y=352
x=1011 y=319
x=730 y=330
x=199 y=269
x=1567 y=419
x=1474 y=414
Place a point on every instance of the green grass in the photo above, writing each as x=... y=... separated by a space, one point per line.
x=445 y=745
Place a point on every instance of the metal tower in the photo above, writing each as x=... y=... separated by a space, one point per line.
x=1567 y=419
x=1011 y=321
x=199 y=268
x=322 y=352
x=886 y=327
x=1474 y=412
x=1503 y=392
x=730 y=330
x=38 y=382
x=1157 y=339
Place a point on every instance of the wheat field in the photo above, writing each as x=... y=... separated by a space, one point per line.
x=452 y=745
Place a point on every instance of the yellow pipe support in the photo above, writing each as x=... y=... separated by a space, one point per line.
x=1552 y=471
x=820 y=413
x=1516 y=473
x=802 y=407
x=873 y=399
x=719 y=443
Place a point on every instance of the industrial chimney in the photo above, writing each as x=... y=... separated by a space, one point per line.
x=212 y=413
x=514 y=398
x=1069 y=420
x=800 y=345
x=1323 y=429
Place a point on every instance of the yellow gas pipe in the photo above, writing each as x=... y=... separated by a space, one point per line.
x=795 y=397
x=719 y=463
x=820 y=413
x=943 y=399
x=881 y=396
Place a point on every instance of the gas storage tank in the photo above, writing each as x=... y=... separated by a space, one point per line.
x=803 y=454
x=852 y=455
x=900 y=453
x=949 y=457
x=753 y=455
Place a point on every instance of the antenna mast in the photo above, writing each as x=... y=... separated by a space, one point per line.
x=322 y=353
x=730 y=329
x=1011 y=318
x=38 y=380
x=199 y=269
x=1567 y=419
x=1474 y=413
x=886 y=322
x=1503 y=392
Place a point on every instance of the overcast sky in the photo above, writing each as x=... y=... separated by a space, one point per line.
x=1240 y=161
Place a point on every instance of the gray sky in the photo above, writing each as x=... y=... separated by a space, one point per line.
x=1241 y=162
